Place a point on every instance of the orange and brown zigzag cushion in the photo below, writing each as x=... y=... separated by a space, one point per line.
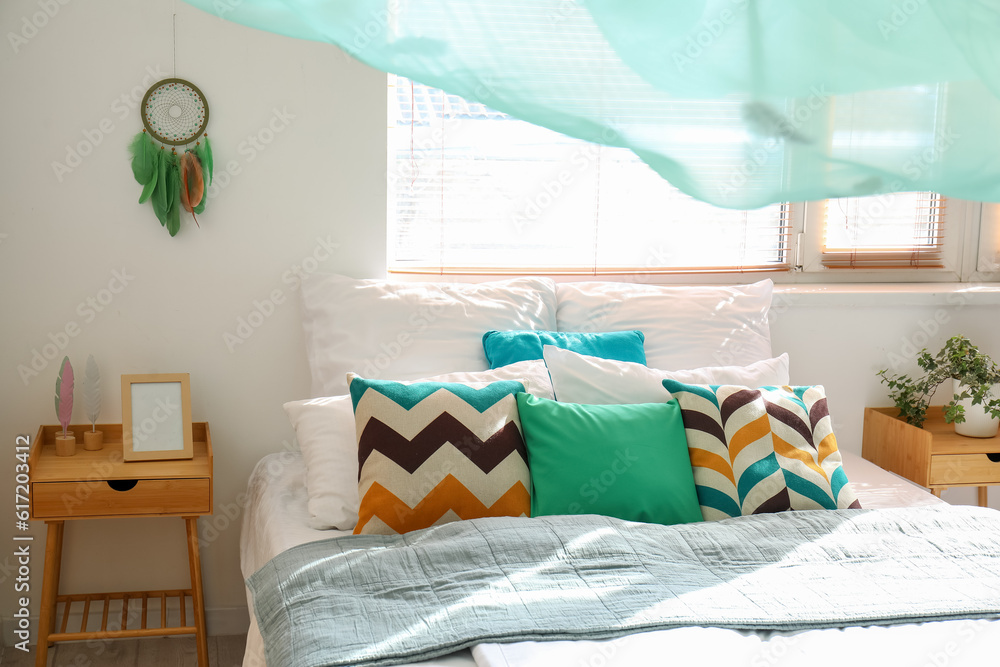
x=430 y=453
x=769 y=449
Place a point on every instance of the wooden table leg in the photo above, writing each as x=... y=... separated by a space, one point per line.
x=194 y=559
x=50 y=589
x=983 y=496
x=937 y=492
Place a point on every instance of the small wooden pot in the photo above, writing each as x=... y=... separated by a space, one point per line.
x=65 y=443
x=93 y=440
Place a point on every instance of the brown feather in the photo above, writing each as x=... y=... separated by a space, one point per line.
x=192 y=183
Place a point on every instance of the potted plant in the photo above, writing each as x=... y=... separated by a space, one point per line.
x=974 y=375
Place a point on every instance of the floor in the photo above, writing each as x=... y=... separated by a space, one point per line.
x=154 y=652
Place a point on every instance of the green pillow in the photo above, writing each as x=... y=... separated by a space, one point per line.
x=625 y=461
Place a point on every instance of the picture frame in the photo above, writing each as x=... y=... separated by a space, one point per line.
x=156 y=417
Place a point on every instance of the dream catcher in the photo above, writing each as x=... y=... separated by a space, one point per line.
x=175 y=114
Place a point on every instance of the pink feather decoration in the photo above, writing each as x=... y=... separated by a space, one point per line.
x=64 y=394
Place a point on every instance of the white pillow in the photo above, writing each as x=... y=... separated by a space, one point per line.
x=406 y=331
x=324 y=428
x=685 y=327
x=578 y=378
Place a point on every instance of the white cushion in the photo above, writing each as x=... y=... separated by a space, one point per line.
x=578 y=378
x=405 y=331
x=324 y=428
x=685 y=327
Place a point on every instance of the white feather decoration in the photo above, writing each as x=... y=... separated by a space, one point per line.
x=92 y=391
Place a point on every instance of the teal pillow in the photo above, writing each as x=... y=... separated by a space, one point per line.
x=626 y=461
x=509 y=347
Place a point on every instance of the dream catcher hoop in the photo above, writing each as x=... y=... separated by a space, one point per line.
x=174 y=113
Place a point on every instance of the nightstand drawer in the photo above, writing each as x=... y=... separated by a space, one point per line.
x=964 y=469
x=98 y=499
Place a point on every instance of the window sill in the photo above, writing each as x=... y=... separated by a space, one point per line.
x=888 y=294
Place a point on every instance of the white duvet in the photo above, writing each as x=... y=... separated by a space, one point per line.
x=276 y=520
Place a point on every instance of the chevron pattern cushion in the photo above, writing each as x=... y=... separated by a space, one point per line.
x=434 y=452
x=761 y=450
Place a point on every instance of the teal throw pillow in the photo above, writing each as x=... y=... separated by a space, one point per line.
x=509 y=347
x=626 y=461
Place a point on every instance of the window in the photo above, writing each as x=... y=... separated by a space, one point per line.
x=473 y=191
x=895 y=230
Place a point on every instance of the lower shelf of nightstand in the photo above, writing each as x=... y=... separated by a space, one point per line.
x=128 y=606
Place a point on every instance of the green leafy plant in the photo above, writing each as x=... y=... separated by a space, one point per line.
x=960 y=360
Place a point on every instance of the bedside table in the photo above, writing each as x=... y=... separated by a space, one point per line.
x=933 y=456
x=101 y=485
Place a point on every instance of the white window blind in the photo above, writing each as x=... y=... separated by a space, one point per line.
x=472 y=190
x=897 y=229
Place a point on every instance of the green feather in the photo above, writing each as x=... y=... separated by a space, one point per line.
x=173 y=223
x=199 y=152
x=160 y=197
x=150 y=186
x=161 y=213
x=143 y=158
x=204 y=153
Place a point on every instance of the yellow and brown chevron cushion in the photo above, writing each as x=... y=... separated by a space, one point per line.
x=433 y=452
x=761 y=450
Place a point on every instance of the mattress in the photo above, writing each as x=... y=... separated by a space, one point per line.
x=276 y=519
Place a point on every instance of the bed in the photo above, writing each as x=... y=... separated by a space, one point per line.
x=300 y=502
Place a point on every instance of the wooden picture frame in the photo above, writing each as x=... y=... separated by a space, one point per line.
x=156 y=417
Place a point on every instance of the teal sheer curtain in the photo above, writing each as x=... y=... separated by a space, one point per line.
x=627 y=72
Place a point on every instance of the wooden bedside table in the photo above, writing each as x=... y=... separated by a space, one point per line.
x=100 y=485
x=933 y=456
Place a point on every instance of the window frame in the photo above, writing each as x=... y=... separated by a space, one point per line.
x=969 y=226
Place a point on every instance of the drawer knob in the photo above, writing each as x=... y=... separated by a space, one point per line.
x=122 y=484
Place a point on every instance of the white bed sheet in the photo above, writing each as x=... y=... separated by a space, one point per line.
x=276 y=519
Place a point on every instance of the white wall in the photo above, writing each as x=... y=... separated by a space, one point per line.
x=843 y=341
x=320 y=180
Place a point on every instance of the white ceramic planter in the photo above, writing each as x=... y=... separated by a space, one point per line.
x=978 y=423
